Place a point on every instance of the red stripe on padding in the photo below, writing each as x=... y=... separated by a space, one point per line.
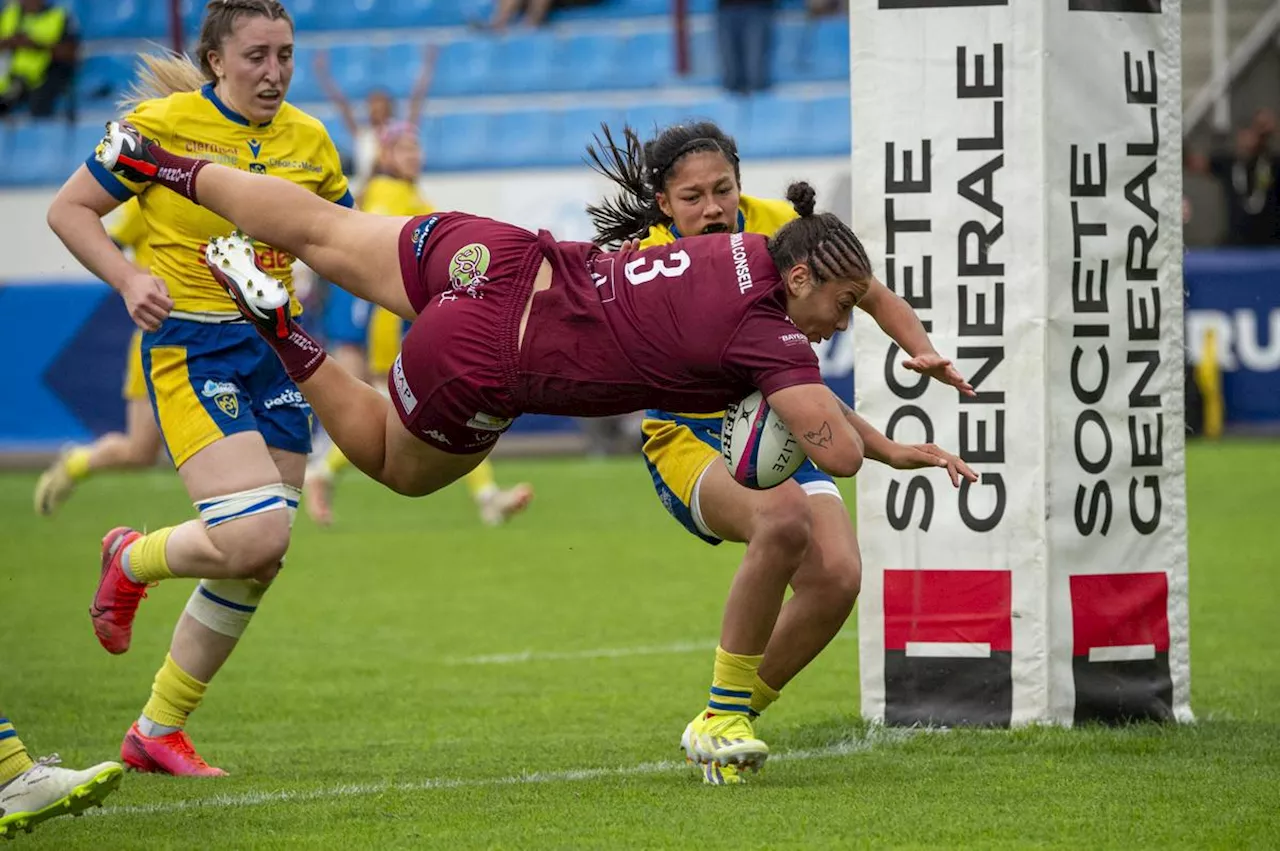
x=1119 y=610
x=966 y=606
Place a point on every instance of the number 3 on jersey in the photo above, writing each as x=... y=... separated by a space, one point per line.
x=637 y=274
x=642 y=270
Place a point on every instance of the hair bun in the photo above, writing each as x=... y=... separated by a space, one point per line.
x=802 y=197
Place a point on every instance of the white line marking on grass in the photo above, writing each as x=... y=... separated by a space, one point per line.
x=876 y=737
x=596 y=653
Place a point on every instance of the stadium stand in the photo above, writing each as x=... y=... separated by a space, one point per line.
x=530 y=98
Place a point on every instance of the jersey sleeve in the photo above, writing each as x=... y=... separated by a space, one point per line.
x=334 y=186
x=769 y=353
x=150 y=119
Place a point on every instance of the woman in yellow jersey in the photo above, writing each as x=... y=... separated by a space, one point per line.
x=139 y=445
x=237 y=428
x=687 y=183
x=392 y=191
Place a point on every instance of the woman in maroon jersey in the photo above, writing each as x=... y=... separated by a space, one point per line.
x=507 y=322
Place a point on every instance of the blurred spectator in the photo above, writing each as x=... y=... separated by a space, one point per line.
x=1204 y=207
x=38 y=45
x=1248 y=177
x=380 y=109
x=746 y=40
x=535 y=11
x=818 y=8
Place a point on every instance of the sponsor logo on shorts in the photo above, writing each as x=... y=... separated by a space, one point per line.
x=224 y=394
x=468 y=270
x=795 y=339
x=488 y=422
x=437 y=436
x=420 y=234
x=407 y=399
x=483 y=440
x=292 y=398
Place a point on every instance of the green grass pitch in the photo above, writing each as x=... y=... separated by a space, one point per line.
x=417 y=681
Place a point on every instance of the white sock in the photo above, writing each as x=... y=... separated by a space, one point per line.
x=151 y=729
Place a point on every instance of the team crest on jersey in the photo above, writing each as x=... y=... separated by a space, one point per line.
x=468 y=269
x=224 y=394
x=257 y=168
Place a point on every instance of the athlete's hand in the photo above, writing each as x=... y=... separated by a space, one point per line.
x=629 y=245
x=940 y=369
x=920 y=455
x=147 y=299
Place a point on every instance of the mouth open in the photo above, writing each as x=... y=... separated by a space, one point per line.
x=715 y=228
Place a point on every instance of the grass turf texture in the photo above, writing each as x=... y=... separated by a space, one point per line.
x=377 y=700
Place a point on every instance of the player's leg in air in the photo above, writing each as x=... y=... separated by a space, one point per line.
x=33 y=791
x=137 y=448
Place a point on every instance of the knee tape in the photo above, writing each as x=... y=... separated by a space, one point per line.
x=226 y=605
x=223 y=509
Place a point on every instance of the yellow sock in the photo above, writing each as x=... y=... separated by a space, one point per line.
x=762 y=695
x=146 y=560
x=732 y=683
x=77 y=463
x=334 y=460
x=13 y=754
x=481 y=481
x=175 y=694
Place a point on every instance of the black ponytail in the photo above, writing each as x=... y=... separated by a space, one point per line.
x=829 y=246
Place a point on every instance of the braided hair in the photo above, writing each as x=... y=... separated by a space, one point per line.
x=825 y=244
x=642 y=170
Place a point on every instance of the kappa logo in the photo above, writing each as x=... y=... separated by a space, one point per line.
x=420 y=234
x=468 y=270
x=407 y=399
x=437 y=436
x=488 y=422
x=224 y=394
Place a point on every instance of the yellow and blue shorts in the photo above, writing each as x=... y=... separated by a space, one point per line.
x=135 y=380
x=350 y=321
x=210 y=381
x=678 y=449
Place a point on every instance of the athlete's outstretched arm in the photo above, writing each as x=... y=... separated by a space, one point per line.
x=903 y=456
x=896 y=318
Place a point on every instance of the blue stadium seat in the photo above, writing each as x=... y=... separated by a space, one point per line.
x=704 y=59
x=811 y=50
x=831 y=126
x=465 y=66
x=463 y=141
x=37 y=154
x=434 y=13
x=120 y=19
x=577 y=128
x=523 y=139
x=103 y=77
x=589 y=62
x=775 y=127
x=523 y=63
x=306 y=85
x=85 y=136
x=729 y=114
x=353 y=67
x=399 y=64
x=647 y=61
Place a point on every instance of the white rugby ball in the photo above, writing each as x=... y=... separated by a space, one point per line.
x=758 y=447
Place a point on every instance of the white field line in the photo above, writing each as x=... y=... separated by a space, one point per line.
x=596 y=653
x=877 y=737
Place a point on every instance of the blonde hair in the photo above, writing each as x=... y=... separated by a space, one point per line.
x=165 y=74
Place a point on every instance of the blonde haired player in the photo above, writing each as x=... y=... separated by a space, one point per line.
x=686 y=181
x=237 y=428
x=354 y=327
x=138 y=446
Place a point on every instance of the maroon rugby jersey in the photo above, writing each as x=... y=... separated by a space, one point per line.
x=691 y=326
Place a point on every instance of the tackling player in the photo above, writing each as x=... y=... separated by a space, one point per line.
x=236 y=427
x=684 y=182
x=509 y=322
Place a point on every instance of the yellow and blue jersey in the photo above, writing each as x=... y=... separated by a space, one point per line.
x=208 y=373
x=198 y=124
x=678 y=448
x=352 y=321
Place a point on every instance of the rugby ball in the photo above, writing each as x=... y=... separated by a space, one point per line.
x=758 y=447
